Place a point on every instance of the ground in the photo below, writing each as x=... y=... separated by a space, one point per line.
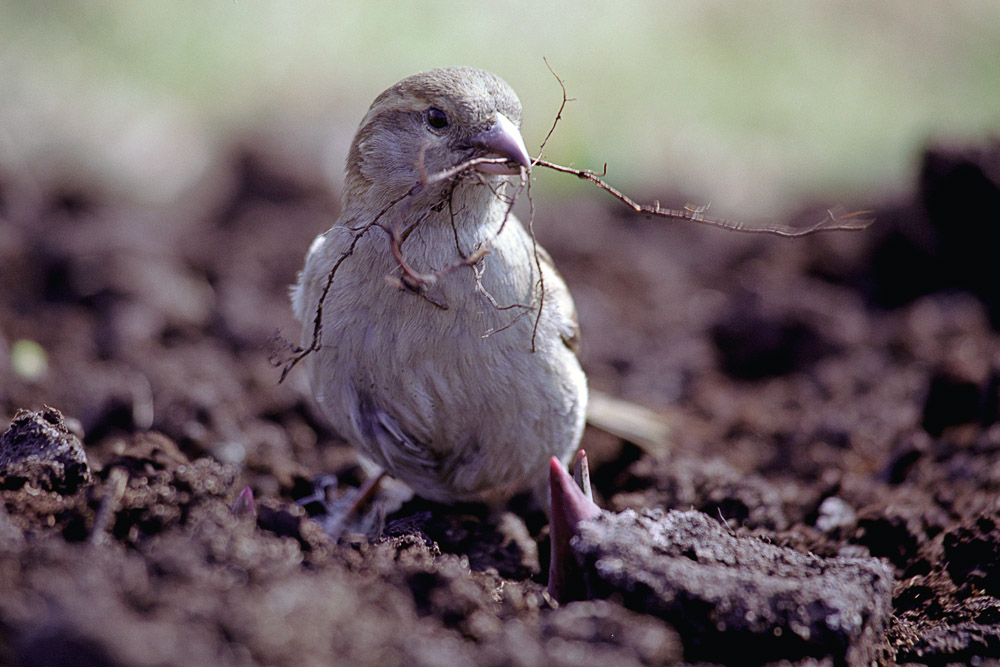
x=837 y=394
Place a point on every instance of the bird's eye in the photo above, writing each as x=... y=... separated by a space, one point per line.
x=437 y=118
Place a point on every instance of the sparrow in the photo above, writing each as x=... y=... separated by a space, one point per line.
x=446 y=343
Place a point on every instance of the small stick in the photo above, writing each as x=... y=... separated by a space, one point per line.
x=452 y=172
x=114 y=489
x=836 y=218
x=558 y=117
x=581 y=473
x=538 y=265
x=318 y=317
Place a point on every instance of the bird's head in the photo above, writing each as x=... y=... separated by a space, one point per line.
x=431 y=122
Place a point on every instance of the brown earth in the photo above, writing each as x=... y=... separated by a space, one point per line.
x=837 y=394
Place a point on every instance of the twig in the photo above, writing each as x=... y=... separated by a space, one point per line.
x=510 y=205
x=478 y=272
x=725 y=522
x=475 y=260
x=538 y=265
x=517 y=318
x=836 y=219
x=318 y=317
x=525 y=308
x=114 y=488
x=562 y=106
x=451 y=220
x=459 y=168
x=416 y=281
x=581 y=474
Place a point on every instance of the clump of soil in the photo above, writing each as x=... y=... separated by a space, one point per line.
x=834 y=398
x=732 y=596
x=38 y=449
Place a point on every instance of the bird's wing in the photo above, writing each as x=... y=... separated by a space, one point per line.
x=305 y=291
x=555 y=288
x=393 y=447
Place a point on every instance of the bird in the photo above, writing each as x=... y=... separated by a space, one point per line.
x=441 y=341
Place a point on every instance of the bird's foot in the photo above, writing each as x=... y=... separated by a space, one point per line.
x=341 y=513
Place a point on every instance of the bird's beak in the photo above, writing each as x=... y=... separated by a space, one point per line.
x=503 y=140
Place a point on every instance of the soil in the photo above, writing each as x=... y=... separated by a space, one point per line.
x=835 y=395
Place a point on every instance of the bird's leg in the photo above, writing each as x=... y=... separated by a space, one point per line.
x=360 y=496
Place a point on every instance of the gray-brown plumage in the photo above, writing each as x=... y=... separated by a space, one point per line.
x=442 y=388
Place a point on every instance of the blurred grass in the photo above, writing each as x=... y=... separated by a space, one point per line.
x=751 y=106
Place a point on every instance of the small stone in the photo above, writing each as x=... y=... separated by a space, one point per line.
x=834 y=513
x=40 y=450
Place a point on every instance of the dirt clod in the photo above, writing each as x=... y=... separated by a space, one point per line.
x=730 y=595
x=39 y=449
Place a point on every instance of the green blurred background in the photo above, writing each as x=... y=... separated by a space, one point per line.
x=753 y=106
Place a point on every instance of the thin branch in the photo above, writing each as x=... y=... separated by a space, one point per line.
x=477 y=269
x=318 y=317
x=538 y=264
x=513 y=200
x=415 y=281
x=562 y=106
x=475 y=258
x=517 y=318
x=502 y=196
x=836 y=218
x=451 y=219
x=405 y=234
x=412 y=279
x=452 y=172
x=114 y=487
